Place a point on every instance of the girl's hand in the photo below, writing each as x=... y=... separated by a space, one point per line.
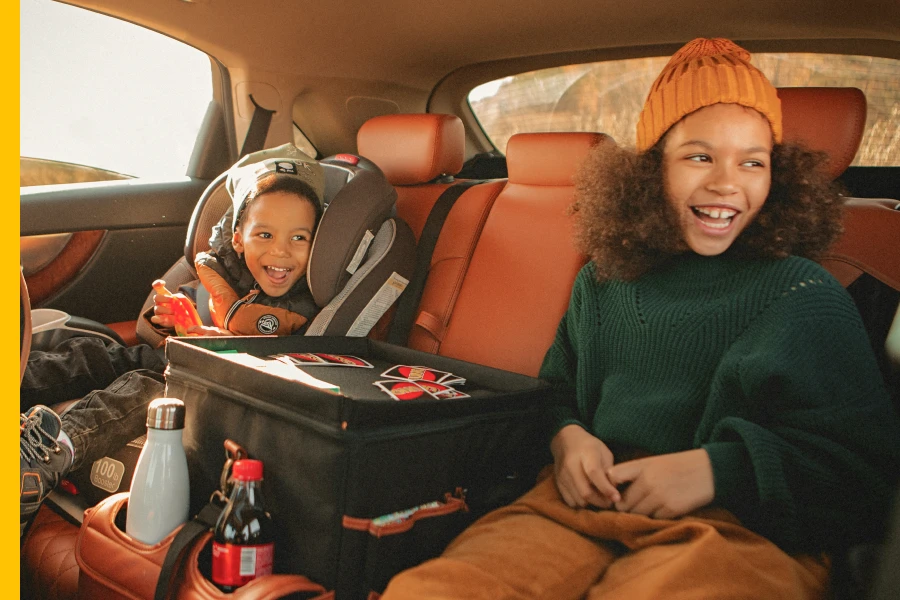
x=665 y=486
x=202 y=330
x=162 y=306
x=580 y=465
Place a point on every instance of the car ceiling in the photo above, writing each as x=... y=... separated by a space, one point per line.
x=419 y=42
x=338 y=64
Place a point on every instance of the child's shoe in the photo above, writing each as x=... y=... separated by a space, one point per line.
x=42 y=459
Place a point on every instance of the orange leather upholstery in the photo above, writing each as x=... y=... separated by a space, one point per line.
x=127 y=330
x=414 y=148
x=548 y=159
x=449 y=263
x=414 y=203
x=48 y=558
x=518 y=284
x=831 y=120
x=870 y=244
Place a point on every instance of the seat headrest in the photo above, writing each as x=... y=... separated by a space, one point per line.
x=415 y=148
x=830 y=120
x=354 y=215
x=549 y=158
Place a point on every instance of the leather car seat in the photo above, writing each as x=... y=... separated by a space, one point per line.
x=866 y=257
x=49 y=570
x=517 y=286
x=832 y=120
x=420 y=154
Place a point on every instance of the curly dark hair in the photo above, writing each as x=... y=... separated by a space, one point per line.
x=274 y=182
x=626 y=227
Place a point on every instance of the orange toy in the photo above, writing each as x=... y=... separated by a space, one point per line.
x=183 y=309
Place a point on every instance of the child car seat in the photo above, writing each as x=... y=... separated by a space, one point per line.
x=360 y=261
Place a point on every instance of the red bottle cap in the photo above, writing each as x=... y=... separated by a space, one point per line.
x=348 y=158
x=247 y=469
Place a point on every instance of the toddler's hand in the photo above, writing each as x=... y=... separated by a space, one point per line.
x=203 y=330
x=162 y=306
x=580 y=465
x=665 y=486
x=175 y=309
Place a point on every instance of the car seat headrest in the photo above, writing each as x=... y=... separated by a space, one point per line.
x=349 y=224
x=414 y=148
x=549 y=158
x=830 y=120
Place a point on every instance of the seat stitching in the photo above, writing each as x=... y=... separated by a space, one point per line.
x=56 y=583
x=435 y=149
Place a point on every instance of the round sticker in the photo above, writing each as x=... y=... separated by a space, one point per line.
x=267 y=324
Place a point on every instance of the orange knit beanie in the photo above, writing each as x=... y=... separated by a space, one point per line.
x=705 y=72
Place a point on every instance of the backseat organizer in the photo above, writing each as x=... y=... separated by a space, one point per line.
x=336 y=461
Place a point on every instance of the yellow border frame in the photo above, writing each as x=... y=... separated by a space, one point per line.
x=9 y=134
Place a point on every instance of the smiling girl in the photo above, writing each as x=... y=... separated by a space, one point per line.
x=719 y=419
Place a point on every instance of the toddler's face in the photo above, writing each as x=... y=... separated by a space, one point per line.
x=275 y=234
x=717 y=165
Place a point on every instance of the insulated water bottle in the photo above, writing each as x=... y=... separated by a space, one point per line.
x=160 y=491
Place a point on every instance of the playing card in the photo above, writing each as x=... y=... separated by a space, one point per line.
x=415 y=373
x=344 y=360
x=402 y=390
x=319 y=359
x=439 y=390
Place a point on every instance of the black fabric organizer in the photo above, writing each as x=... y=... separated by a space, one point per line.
x=359 y=454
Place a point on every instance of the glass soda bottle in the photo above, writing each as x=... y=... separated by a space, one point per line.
x=244 y=538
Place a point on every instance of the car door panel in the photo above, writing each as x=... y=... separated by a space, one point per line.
x=66 y=261
x=38 y=251
x=123 y=235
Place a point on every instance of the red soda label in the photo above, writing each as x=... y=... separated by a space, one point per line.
x=235 y=565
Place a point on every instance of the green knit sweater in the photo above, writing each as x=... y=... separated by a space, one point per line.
x=764 y=363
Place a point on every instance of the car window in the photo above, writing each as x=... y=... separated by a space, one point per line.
x=608 y=96
x=105 y=99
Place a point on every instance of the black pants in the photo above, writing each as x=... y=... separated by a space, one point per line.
x=115 y=385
